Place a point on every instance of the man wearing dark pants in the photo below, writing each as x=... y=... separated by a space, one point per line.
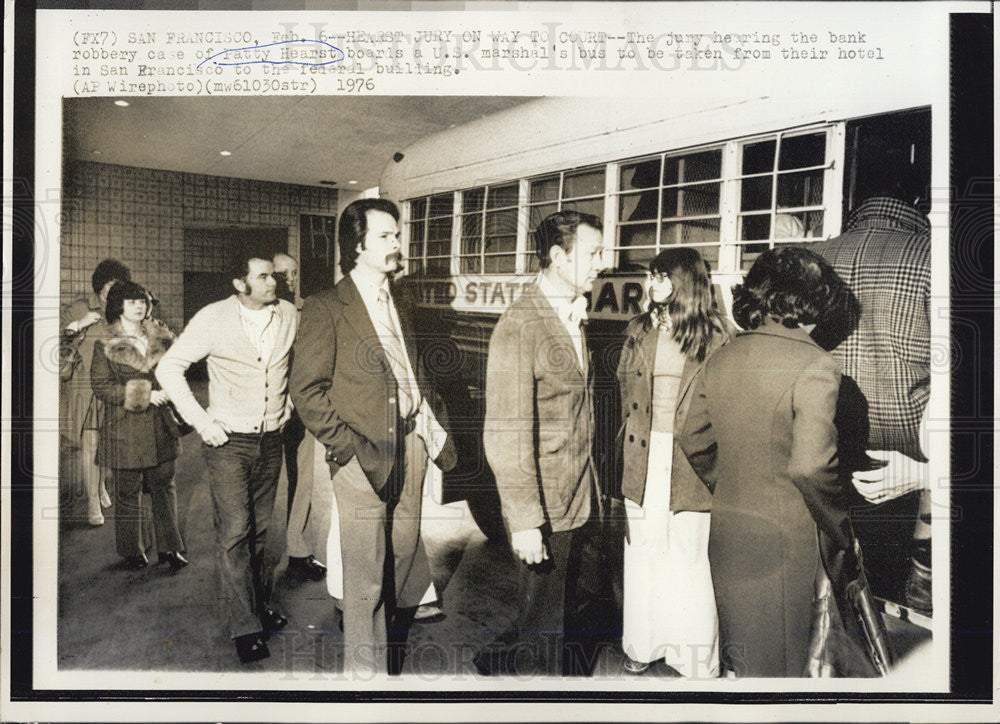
x=247 y=340
x=538 y=434
x=363 y=391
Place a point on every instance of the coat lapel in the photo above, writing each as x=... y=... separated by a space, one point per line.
x=356 y=315
x=693 y=367
x=556 y=328
x=646 y=349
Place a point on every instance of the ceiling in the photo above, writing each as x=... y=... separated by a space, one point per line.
x=300 y=140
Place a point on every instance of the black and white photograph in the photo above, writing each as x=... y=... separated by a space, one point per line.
x=588 y=354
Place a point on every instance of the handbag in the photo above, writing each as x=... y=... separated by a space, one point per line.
x=848 y=636
x=820 y=660
x=183 y=428
x=70 y=358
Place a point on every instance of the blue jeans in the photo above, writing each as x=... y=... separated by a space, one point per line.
x=243 y=478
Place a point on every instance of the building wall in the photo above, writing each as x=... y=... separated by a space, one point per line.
x=138 y=215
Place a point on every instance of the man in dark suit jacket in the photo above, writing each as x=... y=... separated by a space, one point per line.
x=538 y=434
x=363 y=392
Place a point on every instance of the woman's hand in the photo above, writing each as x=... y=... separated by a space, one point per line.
x=158 y=397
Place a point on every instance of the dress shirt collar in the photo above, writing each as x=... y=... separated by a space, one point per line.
x=571 y=311
x=369 y=284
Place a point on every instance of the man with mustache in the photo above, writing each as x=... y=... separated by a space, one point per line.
x=362 y=390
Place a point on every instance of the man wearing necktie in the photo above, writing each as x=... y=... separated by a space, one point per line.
x=363 y=392
x=538 y=434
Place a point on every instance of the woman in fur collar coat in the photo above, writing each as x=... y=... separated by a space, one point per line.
x=138 y=435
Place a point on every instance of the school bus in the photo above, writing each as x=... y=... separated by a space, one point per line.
x=730 y=178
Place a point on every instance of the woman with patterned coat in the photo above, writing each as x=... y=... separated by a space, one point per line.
x=138 y=433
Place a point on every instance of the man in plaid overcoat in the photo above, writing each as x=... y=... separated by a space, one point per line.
x=884 y=257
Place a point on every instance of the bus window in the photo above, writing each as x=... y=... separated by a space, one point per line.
x=782 y=184
x=889 y=154
x=669 y=199
x=489 y=230
x=430 y=235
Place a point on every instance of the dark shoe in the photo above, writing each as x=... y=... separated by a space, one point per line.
x=634 y=667
x=271 y=620
x=489 y=662
x=174 y=558
x=498 y=659
x=134 y=563
x=308 y=568
x=428 y=613
x=251 y=647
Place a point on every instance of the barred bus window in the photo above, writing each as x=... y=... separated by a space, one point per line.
x=489 y=230
x=669 y=199
x=430 y=235
x=781 y=192
x=730 y=200
x=418 y=232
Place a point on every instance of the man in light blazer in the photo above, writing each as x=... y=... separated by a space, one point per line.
x=538 y=435
x=363 y=392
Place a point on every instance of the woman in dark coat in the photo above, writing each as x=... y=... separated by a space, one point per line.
x=669 y=603
x=138 y=435
x=760 y=432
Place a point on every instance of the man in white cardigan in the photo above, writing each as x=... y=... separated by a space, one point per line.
x=247 y=340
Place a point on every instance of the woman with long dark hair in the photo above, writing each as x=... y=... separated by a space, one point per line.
x=669 y=603
x=138 y=435
x=760 y=432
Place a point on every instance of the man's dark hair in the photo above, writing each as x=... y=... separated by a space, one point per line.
x=788 y=284
x=109 y=270
x=354 y=226
x=559 y=229
x=239 y=260
x=117 y=295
